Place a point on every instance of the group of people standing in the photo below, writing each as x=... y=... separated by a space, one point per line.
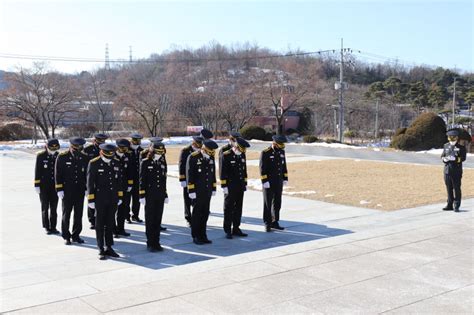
x=118 y=177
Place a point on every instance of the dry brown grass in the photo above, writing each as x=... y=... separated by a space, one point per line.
x=387 y=186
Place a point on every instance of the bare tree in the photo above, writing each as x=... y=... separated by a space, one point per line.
x=147 y=94
x=39 y=97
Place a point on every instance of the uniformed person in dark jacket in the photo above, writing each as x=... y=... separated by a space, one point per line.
x=201 y=179
x=233 y=176
x=153 y=193
x=70 y=178
x=123 y=155
x=274 y=176
x=183 y=158
x=104 y=184
x=92 y=151
x=135 y=152
x=453 y=155
x=44 y=185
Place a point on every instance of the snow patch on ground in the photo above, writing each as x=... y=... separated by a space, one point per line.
x=364 y=202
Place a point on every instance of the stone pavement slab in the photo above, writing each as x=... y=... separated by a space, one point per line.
x=330 y=259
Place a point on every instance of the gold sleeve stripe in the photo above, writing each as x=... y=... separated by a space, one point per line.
x=90 y=197
x=223 y=181
x=190 y=186
x=213 y=184
x=264 y=177
x=130 y=181
x=120 y=193
x=245 y=178
x=141 y=192
x=59 y=185
x=37 y=181
x=286 y=174
x=182 y=176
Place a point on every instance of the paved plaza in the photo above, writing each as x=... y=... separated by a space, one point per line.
x=330 y=259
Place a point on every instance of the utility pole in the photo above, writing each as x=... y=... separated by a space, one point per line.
x=335 y=122
x=341 y=89
x=376 y=133
x=454 y=100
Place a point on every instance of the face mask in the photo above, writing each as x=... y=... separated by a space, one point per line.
x=156 y=157
x=76 y=148
x=120 y=153
x=236 y=151
x=196 y=146
x=107 y=154
x=51 y=151
x=134 y=146
x=106 y=160
x=452 y=142
x=208 y=152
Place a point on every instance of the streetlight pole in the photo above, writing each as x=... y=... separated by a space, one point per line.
x=341 y=89
x=454 y=100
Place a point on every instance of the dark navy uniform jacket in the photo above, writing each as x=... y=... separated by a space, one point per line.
x=104 y=181
x=273 y=167
x=200 y=174
x=70 y=172
x=153 y=176
x=459 y=152
x=233 y=170
x=44 y=170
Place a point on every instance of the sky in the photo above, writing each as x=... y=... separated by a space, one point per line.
x=417 y=32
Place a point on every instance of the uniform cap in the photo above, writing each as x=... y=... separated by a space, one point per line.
x=242 y=142
x=123 y=143
x=279 y=139
x=198 y=139
x=107 y=147
x=77 y=141
x=235 y=134
x=157 y=144
x=210 y=144
x=53 y=143
x=206 y=134
x=452 y=133
x=136 y=136
x=101 y=136
x=155 y=139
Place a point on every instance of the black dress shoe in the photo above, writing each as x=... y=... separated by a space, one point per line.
x=116 y=235
x=268 y=228
x=162 y=228
x=228 y=236
x=129 y=221
x=78 y=240
x=54 y=231
x=207 y=241
x=92 y=227
x=448 y=208
x=67 y=241
x=158 y=248
x=197 y=241
x=238 y=232
x=102 y=255
x=151 y=249
x=48 y=232
x=123 y=233
x=110 y=252
x=137 y=219
x=277 y=226
x=456 y=209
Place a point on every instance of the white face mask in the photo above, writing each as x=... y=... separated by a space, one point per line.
x=195 y=148
x=106 y=160
x=134 y=146
x=119 y=153
x=156 y=157
x=452 y=142
x=236 y=151
x=50 y=151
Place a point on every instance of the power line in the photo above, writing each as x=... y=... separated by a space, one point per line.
x=100 y=60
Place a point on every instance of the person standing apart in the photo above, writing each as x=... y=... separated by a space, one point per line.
x=274 y=175
x=70 y=177
x=233 y=176
x=453 y=155
x=153 y=193
x=201 y=179
x=44 y=185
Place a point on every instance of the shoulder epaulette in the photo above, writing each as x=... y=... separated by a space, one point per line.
x=64 y=152
x=145 y=159
x=267 y=149
x=95 y=159
x=84 y=153
x=227 y=152
x=195 y=153
x=41 y=152
x=116 y=159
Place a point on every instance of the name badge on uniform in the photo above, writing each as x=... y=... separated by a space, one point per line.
x=150 y=167
x=271 y=157
x=116 y=168
x=232 y=162
x=100 y=170
x=198 y=162
x=68 y=163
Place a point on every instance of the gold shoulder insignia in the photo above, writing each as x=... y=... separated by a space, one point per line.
x=227 y=152
x=41 y=152
x=267 y=149
x=95 y=159
x=64 y=152
x=195 y=153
